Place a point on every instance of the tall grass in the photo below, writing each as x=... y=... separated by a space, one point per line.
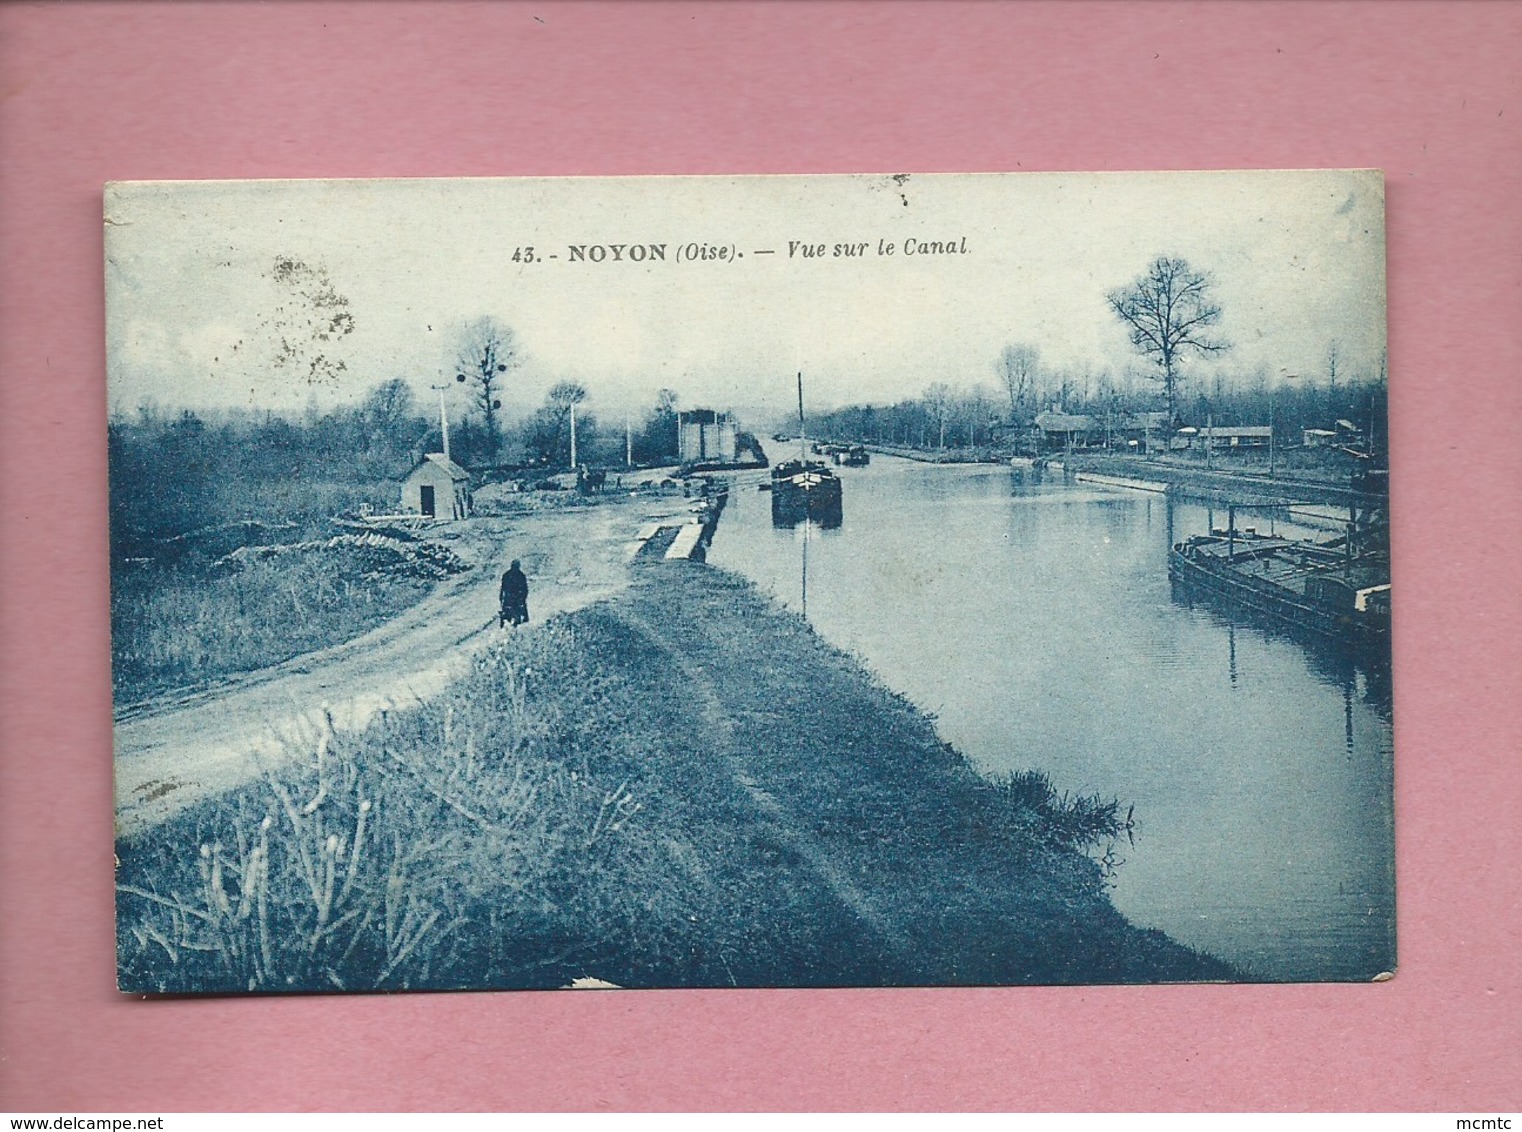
x=180 y=625
x=482 y=839
x=214 y=521
x=1064 y=820
x=1084 y=823
x=193 y=598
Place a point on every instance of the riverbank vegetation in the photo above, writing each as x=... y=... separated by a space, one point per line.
x=684 y=786
x=979 y=418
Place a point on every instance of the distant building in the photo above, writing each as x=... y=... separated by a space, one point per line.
x=1318 y=437
x=1222 y=438
x=1139 y=431
x=1349 y=433
x=1060 y=430
x=437 y=487
x=706 y=437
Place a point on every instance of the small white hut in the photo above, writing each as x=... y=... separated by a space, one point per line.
x=437 y=487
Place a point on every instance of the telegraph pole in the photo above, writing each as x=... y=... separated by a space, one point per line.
x=443 y=417
x=1273 y=391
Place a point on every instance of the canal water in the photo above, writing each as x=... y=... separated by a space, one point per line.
x=1033 y=616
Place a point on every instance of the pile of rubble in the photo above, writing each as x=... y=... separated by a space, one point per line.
x=390 y=553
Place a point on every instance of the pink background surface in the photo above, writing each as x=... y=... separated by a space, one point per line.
x=90 y=93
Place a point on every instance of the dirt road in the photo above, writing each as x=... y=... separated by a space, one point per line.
x=181 y=750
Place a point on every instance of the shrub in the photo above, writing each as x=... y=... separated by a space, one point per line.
x=1063 y=820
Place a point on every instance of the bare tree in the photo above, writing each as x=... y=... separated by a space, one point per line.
x=388 y=404
x=1168 y=312
x=1018 y=365
x=564 y=394
x=976 y=406
x=658 y=438
x=548 y=435
x=488 y=352
x=387 y=419
x=1333 y=360
x=1067 y=388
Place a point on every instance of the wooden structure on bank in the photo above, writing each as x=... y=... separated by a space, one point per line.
x=706 y=437
x=437 y=488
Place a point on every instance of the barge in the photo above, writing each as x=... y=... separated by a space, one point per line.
x=1334 y=591
x=805 y=490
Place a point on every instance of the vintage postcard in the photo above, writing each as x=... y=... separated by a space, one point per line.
x=801 y=581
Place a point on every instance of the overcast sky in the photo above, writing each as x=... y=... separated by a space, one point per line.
x=1297 y=259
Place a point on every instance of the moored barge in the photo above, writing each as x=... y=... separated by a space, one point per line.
x=1331 y=590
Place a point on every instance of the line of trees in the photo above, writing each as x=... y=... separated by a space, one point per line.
x=978 y=415
x=1170 y=315
x=175 y=471
x=487 y=356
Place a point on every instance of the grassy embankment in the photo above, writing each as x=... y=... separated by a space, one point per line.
x=684 y=786
x=241 y=595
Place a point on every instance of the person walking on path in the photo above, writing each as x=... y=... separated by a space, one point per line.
x=514 y=597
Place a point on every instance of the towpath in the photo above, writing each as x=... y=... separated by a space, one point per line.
x=887 y=858
x=1228 y=485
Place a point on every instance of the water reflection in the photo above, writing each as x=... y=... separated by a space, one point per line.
x=1342 y=666
x=788 y=511
x=1036 y=619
